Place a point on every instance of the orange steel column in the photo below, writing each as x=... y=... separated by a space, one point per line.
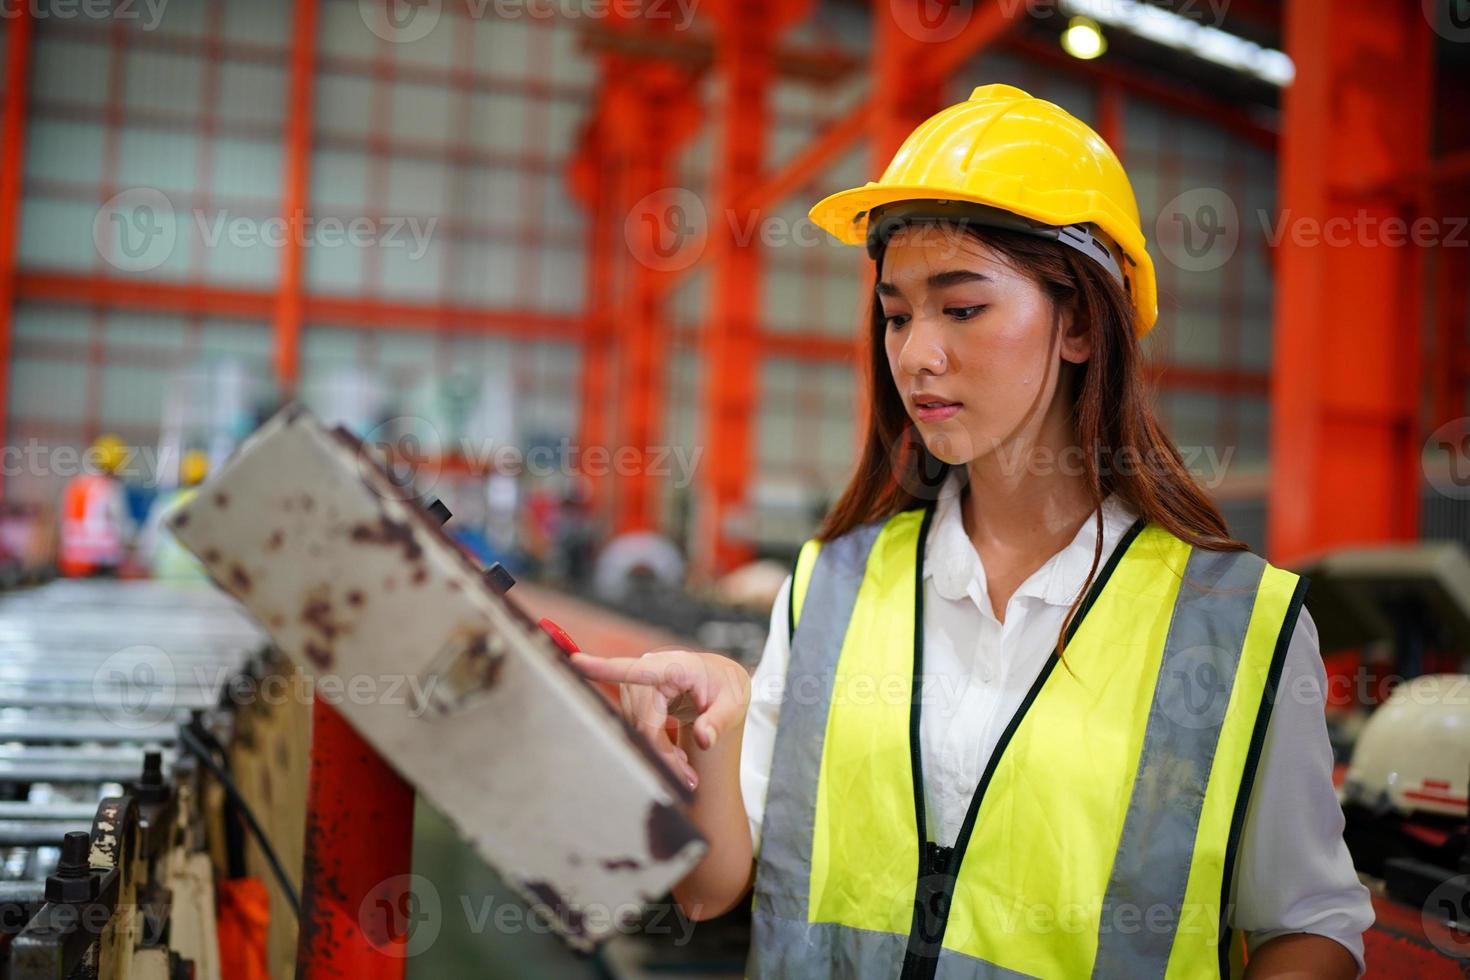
x=12 y=160
x=643 y=329
x=588 y=177
x=902 y=96
x=1345 y=386
x=744 y=38
x=651 y=114
x=294 y=184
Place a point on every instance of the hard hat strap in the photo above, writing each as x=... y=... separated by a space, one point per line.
x=885 y=219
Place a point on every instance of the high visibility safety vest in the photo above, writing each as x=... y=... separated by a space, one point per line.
x=1101 y=837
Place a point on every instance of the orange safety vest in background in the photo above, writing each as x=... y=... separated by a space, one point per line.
x=93 y=512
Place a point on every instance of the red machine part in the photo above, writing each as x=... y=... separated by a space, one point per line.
x=357 y=903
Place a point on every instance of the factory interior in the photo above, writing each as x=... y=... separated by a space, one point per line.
x=422 y=418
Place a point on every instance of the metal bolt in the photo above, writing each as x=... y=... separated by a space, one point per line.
x=73 y=881
x=76 y=852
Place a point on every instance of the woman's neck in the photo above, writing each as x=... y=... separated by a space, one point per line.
x=1024 y=503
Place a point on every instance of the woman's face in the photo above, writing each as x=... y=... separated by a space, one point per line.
x=971 y=342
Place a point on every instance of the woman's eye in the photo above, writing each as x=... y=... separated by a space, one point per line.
x=896 y=320
x=964 y=312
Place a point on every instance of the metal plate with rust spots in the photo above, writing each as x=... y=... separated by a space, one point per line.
x=460 y=693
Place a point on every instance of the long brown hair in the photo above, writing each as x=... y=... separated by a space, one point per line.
x=1112 y=415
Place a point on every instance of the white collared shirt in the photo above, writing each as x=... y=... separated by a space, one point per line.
x=1294 y=872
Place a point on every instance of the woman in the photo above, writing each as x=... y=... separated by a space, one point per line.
x=1026 y=708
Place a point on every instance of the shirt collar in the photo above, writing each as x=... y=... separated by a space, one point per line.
x=951 y=561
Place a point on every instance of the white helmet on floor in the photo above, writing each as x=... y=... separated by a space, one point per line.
x=1414 y=752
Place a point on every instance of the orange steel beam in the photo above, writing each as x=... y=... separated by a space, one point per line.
x=1345 y=439
x=294 y=186
x=941 y=51
x=12 y=160
x=808 y=164
x=1230 y=117
x=928 y=63
x=819 y=66
x=258 y=304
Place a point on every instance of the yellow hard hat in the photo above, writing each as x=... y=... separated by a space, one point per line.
x=109 y=451
x=1006 y=159
x=193 y=468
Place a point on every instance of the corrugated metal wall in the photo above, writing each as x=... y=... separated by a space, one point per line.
x=449 y=151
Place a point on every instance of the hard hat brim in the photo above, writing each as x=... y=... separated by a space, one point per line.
x=844 y=216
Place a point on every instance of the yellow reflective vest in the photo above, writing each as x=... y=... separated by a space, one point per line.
x=1101 y=837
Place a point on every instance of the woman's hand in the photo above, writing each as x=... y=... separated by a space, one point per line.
x=703 y=690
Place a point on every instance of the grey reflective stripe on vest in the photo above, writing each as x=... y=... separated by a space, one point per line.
x=1197 y=671
x=959 y=966
x=783 y=942
x=786 y=949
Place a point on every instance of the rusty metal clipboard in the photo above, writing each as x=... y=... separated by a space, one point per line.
x=460 y=692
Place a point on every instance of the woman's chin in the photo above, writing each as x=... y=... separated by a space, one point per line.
x=954 y=447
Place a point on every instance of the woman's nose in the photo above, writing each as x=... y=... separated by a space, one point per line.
x=923 y=350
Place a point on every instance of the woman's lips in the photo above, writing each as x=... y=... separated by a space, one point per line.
x=933 y=410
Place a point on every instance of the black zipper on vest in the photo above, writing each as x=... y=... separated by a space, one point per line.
x=939 y=867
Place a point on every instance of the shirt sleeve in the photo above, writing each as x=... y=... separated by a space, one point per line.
x=758 y=743
x=1294 y=871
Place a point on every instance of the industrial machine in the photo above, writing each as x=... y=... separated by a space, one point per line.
x=106 y=820
x=150 y=763
x=1406 y=786
x=469 y=700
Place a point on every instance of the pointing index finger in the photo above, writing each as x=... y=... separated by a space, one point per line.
x=615 y=670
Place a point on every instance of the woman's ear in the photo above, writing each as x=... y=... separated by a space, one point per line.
x=1076 y=345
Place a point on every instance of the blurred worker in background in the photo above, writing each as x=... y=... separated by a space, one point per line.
x=576 y=535
x=95 y=525
x=1029 y=669
x=157 y=547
